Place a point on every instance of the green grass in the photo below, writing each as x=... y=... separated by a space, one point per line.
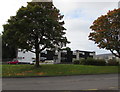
x=55 y=70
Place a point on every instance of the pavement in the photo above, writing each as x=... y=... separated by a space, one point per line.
x=79 y=82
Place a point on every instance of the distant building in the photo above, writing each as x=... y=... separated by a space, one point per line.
x=77 y=54
x=25 y=56
x=62 y=56
x=119 y=4
x=107 y=56
x=29 y=56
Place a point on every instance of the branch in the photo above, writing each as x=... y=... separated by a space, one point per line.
x=118 y=51
x=43 y=48
x=114 y=53
x=32 y=51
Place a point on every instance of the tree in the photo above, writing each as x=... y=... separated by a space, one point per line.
x=67 y=49
x=36 y=27
x=106 y=32
x=8 y=51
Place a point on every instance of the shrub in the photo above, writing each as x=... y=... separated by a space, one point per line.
x=76 y=61
x=90 y=61
x=100 y=62
x=83 y=61
x=112 y=62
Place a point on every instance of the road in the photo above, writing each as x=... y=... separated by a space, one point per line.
x=79 y=82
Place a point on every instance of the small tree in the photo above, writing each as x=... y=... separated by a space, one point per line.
x=106 y=32
x=35 y=28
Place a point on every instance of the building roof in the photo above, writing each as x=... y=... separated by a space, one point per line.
x=41 y=0
x=107 y=54
x=85 y=51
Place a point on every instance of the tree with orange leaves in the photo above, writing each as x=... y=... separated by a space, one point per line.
x=106 y=32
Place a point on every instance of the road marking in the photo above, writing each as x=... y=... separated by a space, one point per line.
x=91 y=89
x=112 y=87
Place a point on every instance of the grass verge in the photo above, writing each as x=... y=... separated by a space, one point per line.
x=55 y=70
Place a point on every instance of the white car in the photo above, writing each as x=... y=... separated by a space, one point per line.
x=49 y=61
x=32 y=63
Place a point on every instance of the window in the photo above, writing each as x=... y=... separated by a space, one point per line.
x=21 y=57
x=91 y=54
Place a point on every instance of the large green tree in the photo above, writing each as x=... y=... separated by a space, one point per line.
x=106 y=32
x=8 y=51
x=36 y=27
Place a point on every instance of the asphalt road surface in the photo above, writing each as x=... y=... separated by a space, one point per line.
x=80 y=82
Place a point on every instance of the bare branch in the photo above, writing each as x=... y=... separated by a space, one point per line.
x=32 y=51
x=114 y=53
x=43 y=48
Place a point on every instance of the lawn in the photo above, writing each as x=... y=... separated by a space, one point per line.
x=55 y=70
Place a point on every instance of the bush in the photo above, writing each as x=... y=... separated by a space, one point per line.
x=100 y=62
x=83 y=61
x=112 y=62
x=76 y=61
x=91 y=61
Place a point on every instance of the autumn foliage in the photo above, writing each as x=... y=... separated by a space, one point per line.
x=106 y=32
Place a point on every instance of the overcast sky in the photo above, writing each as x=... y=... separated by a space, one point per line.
x=78 y=16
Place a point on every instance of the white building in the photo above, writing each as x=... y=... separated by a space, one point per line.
x=107 y=57
x=26 y=56
x=119 y=4
x=41 y=0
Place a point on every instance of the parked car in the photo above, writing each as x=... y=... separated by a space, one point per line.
x=43 y=59
x=17 y=61
x=32 y=63
x=49 y=61
x=23 y=62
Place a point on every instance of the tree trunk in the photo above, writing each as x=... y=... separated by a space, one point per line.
x=37 y=53
x=37 y=59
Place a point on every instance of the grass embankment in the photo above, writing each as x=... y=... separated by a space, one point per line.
x=55 y=70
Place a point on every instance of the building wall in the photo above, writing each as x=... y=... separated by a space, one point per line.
x=84 y=54
x=60 y=57
x=107 y=57
x=26 y=56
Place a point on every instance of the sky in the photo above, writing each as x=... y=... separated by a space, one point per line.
x=78 y=17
